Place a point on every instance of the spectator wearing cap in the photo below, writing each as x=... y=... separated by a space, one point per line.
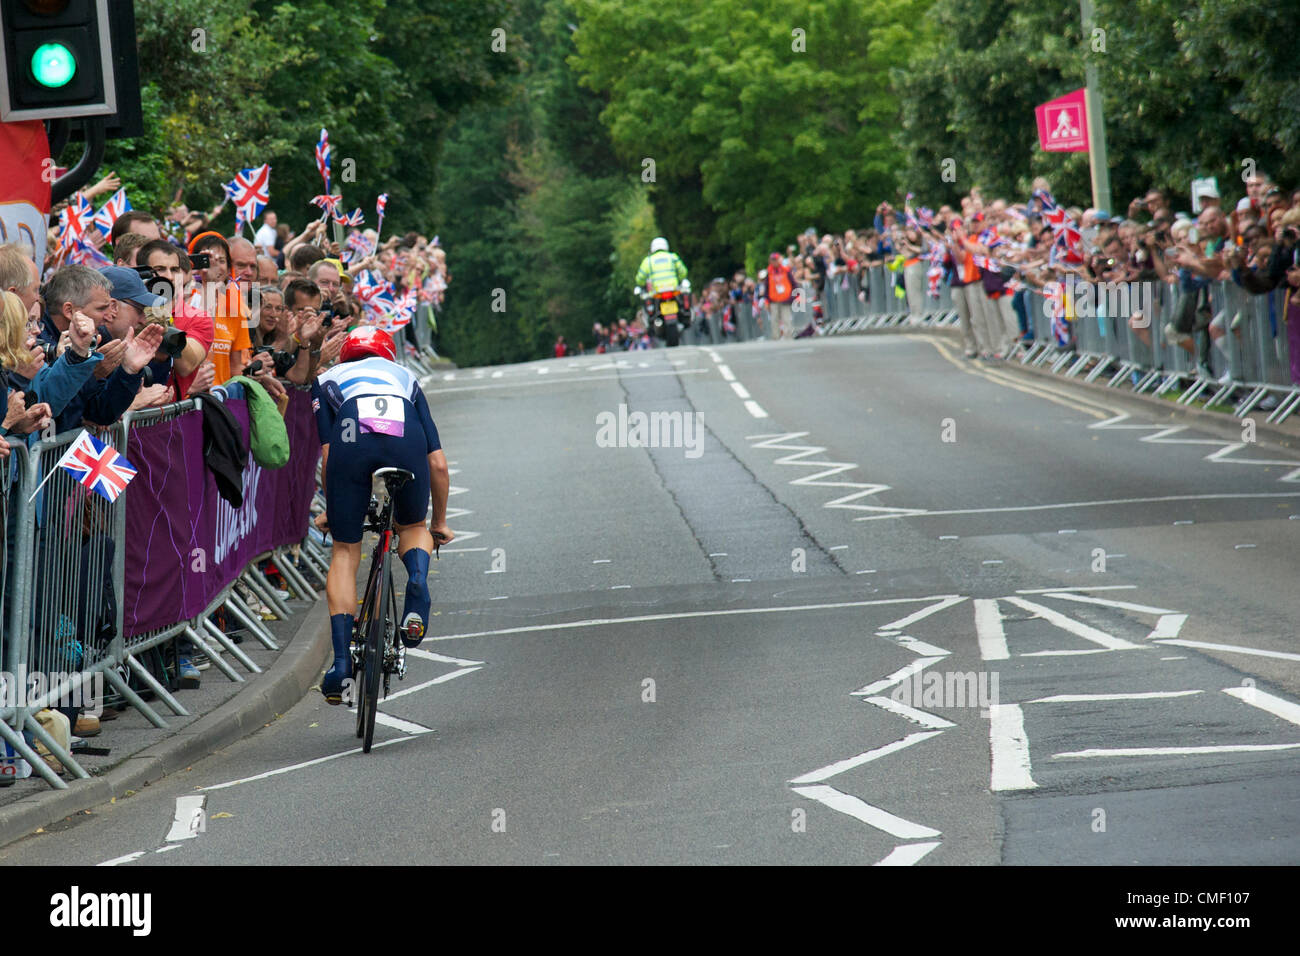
x=224 y=302
x=133 y=307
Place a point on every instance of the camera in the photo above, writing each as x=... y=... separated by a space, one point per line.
x=281 y=361
x=173 y=342
x=155 y=283
x=200 y=260
x=1290 y=232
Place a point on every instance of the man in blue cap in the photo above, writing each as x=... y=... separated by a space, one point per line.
x=116 y=381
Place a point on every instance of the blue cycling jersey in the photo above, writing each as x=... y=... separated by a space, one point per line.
x=339 y=394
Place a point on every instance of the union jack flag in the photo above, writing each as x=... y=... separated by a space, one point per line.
x=74 y=220
x=357 y=246
x=381 y=204
x=328 y=204
x=323 y=157
x=355 y=218
x=990 y=239
x=1046 y=202
x=97 y=466
x=250 y=191
x=368 y=285
x=82 y=253
x=108 y=213
x=1055 y=292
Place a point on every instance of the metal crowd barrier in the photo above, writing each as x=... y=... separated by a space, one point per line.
x=64 y=594
x=1122 y=342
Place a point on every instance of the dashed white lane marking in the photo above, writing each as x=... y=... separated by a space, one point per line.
x=900 y=675
x=1074 y=627
x=838 y=547
x=988 y=630
x=187 y=823
x=740 y=390
x=871 y=816
x=1067 y=531
x=945 y=600
x=1086 y=698
x=825 y=773
x=619 y=587
x=449 y=377
x=908 y=854
x=755 y=409
x=717 y=554
x=498 y=374
x=450 y=675
x=1175 y=751
x=869 y=571
x=119 y=860
x=726 y=373
x=544 y=371
x=990 y=562
x=299 y=766
x=1235 y=648
x=1009 y=748
x=601 y=561
x=921 y=717
x=1266 y=702
x=1239 y=547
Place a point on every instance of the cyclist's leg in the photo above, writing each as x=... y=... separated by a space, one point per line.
x=414 y=541
x=347 y=494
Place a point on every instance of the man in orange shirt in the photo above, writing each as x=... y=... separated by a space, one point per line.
x=224 y=301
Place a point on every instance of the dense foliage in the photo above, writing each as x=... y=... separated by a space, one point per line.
x=548 y=140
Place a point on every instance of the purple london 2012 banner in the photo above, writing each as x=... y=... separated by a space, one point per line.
x=184 y=543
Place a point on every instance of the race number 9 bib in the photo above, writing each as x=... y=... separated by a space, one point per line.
x=382 y=414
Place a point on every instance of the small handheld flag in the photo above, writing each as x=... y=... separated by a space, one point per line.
x=323 y=157
x=96 y=465
x=111 y=210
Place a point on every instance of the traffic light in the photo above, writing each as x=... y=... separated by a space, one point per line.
x=56 y=59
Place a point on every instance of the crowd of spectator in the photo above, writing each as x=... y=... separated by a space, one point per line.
x=993 y=254
x=175 y=308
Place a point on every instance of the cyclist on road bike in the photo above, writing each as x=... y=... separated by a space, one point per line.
x=372 y=414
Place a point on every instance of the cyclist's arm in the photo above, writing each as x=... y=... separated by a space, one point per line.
x=439 y=485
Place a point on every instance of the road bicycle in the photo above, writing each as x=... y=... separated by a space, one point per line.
x=377 y=654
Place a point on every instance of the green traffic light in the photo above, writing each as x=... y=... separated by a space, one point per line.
x=53 y=65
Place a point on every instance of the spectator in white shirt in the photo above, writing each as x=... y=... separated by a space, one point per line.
x=265 y=238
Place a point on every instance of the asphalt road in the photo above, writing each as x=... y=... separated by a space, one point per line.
x=879 y=604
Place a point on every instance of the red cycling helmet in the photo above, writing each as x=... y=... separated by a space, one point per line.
x=367 y=340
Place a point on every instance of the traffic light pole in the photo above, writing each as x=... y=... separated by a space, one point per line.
x=92 y=154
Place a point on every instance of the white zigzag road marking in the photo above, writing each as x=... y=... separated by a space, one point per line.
x=453 y=512
x=796 y=458
x=1163 y=436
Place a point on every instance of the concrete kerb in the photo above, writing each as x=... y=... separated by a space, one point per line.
x=266 y=698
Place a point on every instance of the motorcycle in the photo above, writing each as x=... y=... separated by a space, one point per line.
x=666 y=314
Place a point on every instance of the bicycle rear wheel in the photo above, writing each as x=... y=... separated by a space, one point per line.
x=374 y=656
x=369 y=608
